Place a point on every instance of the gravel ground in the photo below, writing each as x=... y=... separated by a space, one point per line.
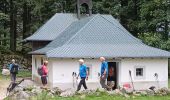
x=3 y=87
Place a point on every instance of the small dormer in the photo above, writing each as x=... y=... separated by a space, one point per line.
x=87 y=4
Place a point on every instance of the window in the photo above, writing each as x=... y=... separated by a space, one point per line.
x=139 y=72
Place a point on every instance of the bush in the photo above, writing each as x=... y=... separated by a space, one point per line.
x=4 y=50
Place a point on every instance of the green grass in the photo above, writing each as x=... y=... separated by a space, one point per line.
x=21 y=74
x=101 y=96
x=24 y=73
x=169 y=82
x=107 y=97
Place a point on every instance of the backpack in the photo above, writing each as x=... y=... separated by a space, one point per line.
x=14 y=69
x=40 y=71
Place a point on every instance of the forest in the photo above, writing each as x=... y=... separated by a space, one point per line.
x=148 y=20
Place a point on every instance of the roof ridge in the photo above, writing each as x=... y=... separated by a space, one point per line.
x=81 y=29
x=127 y=32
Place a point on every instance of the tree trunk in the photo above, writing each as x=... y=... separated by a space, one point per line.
x=166 y=33
x=135 y=17
x=26 y=21
x=123 y=19
x=5 y=25
x=12 y=26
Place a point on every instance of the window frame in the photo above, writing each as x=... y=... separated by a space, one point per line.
x=135 y=72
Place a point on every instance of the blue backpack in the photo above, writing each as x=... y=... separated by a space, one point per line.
x=14 y=69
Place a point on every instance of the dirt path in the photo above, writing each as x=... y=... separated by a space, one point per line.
x=3 y=86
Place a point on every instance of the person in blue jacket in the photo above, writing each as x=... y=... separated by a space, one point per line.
x=12 y=71
x=103 y=72
x=83 y=73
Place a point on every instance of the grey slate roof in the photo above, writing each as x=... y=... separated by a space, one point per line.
x=64 y=36
x=108 y=51
x=52 y=28
x=95 y=36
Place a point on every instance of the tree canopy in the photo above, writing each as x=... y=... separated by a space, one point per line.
x=148 y=20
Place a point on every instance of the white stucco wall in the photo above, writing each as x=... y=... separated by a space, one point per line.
x=60 y=71
x=151 y=67
x=36 y=61
x=63 y=69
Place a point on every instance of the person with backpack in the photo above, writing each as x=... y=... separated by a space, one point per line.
x=13 y=70
x=43 y=72
x=83 y=73
x=103 y=73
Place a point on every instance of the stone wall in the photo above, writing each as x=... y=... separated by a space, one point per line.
x=24 y=62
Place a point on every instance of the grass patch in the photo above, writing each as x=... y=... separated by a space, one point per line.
x=102 y=96
x=24 y=73
x=21 y=74
x=169 y=82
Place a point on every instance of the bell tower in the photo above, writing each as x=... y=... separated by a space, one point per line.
x=85 y=3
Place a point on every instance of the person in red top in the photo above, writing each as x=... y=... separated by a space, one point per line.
x=45 y=72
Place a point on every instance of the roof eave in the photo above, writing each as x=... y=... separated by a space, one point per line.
x=36 y=40
x=113 y=57
x=36 y=53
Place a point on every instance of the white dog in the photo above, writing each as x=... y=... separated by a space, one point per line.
x=5 y=72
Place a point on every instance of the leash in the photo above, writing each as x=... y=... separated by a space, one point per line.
x=12 y=86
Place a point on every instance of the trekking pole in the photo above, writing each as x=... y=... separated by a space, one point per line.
x=73 y=79
x=76 y=79
x=156 y=78
x=130 y=74
x=99 y=80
